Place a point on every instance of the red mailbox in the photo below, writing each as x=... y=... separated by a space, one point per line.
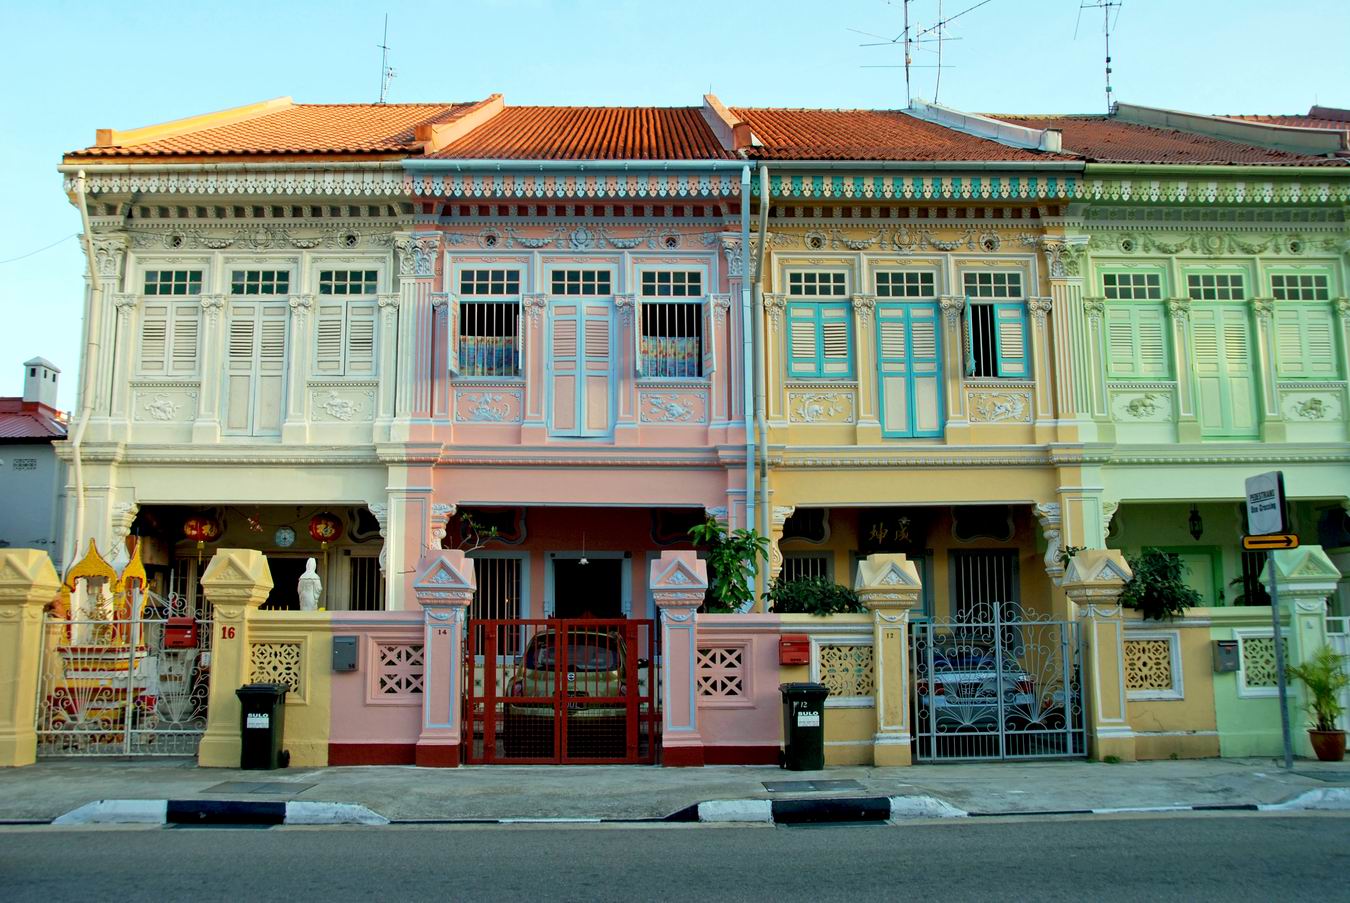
x=794 y=649
x=180 y=633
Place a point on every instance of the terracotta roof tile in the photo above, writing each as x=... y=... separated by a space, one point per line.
x=1102 y=139
x=1304 y=121
x=28 y=421
x=590 y=133
x=796 y=134
x=303 y=129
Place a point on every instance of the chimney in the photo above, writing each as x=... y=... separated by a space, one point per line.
x=39 y=382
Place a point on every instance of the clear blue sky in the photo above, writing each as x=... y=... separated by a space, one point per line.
x=72 y=67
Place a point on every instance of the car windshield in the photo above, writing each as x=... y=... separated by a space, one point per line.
x=584 y=653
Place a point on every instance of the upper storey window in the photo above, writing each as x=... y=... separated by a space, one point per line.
x=582 y=282
x=1300 y=287
x=489 y=322
x=260 y=282
x=996 y=325
x=345 y=334
x=347 y=282
x=1215 y=286
x=1305 y=326
x=1136 y=325
x=906 y=284
x=173 y=282
x=671 y=344
x=820 y=328
x=1132 y=286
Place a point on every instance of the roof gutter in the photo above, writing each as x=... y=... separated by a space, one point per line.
x=124 y=168
x=934 y=166
x=1210 y=169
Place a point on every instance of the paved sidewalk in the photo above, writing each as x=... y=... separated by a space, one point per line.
x=52 y=788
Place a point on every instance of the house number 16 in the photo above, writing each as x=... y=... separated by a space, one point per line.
x=226 y=632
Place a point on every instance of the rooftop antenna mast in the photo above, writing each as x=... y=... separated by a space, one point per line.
x=386 y=72
x=1105 y=6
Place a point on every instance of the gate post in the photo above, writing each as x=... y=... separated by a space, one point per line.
x=236 y=582
x=27 y=583
x=678 y=583
x=1306 y=578
x=444 y=587
x=889 y=587
x=1093 y=581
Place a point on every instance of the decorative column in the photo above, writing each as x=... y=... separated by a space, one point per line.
x=1042 y=373
x=779 y=519
x=386 y=393
x=678 y=583
x=27 y=583
x=1188 y=423
x=1093 y=581
x=418 y=253
x=775 y=370
x=1073 y=363
x=123 y=358
x=534 y=322
x=1343 y=317
x=1272 y=418
x=889 y=587
x=295 y=425
x=625 y=367
x=867 y=430
x=444 y=589
x=206 y=428
x=1306 y=577
x=110 y=255
x=720 y=385
x=954 y=357
x=236 y=582
x=1048 y=515
x=1094 y=380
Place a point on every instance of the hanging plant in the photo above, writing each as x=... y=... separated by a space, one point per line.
x=1158 y=588
x=733 y=564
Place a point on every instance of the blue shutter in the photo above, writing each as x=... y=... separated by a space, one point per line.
x=969 y=338
x=1010 y=327
x=803 y=338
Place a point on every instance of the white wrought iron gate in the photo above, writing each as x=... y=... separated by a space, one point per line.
x=124 y=687
x=996 y=682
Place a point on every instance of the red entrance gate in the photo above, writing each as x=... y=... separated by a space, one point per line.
x=561 y=692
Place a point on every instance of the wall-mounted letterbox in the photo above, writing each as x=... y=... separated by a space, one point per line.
x=794 y=649
x=180 y=633
x=344 y=653
x=1225 y=656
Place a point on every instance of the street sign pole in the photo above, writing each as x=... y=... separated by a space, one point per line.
x=1279 y=660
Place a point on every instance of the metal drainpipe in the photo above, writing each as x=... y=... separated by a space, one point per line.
x=761 y=417
x=747 y=367
x=93 y=308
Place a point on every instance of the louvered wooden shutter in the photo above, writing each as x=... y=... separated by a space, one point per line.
x=239 y=366
x=893 y=361
x=565 y=367
x=803 y=349
x=1137 y=341
x=328 y=338
x=1237 y=358
x=186 y=327
x=925 y=365
x=361 y=338
x=836 y=345
x=1304 y=342
x=154 y=338
x=271 y=368
x=1120 y=350
x=1151 y=326
x=1010 y=323
x=599 y=369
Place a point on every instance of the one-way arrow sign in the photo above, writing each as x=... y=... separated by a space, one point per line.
x=1270 y=541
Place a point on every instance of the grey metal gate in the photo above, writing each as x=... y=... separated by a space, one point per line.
x=996 y=682
x=125 y=687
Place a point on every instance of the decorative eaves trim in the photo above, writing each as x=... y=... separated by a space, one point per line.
x=920 y=187
x=589 y=180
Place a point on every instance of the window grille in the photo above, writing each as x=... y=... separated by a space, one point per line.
x=1300 y=287
x=906 y=284
x=366 y=584
x=173 y=282
x=826 y=283
x=489 y=338
x=260 y=282
x=996 y=326
x=500 y=582
x=1215 y=286
x=1132 y=286
x=347 y=282
x=804 y=566
x=982 y=579
x=672 y=339
x=582 y=282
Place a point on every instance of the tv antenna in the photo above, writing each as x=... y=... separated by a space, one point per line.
x=911 y=37
x=1105 y=6
x=386 y=71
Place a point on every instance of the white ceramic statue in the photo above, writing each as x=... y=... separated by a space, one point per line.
x=309 y=587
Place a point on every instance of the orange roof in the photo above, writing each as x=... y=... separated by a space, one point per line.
x=1102 y=139
x=1316 y=118
x=590 y=133
x=797 y=134
x=303 y=129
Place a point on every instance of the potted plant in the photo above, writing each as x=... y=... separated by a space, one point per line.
x=1158 y=588
x=813 y=596
x=733 y=564
x=1324 y=676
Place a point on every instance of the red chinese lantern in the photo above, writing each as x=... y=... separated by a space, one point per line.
x=203 y=530
x=325 y=528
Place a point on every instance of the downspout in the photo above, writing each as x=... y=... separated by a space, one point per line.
x=89 y=365
x=761 y=417
x=747 y=368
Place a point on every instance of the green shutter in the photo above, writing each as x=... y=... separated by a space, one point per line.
x=1136 y=338
x=1304 y=341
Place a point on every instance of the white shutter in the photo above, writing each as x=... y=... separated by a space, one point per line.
x=329 y=340
x=154 y=337
x=186 y=328
x=360 y=338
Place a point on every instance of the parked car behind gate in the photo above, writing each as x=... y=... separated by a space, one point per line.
x=965 y=685
x=595 y=661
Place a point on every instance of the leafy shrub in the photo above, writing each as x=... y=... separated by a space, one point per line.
x=733 y=564
x=1159 y=588
x=812 y=596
